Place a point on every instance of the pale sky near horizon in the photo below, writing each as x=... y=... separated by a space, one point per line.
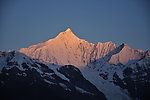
x=27 y=22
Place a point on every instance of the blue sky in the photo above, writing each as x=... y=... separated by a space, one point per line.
x=27 y=22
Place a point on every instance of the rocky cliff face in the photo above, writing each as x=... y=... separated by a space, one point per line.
x=68 y=49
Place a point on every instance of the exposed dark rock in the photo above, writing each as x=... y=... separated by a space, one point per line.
x=35 y=80
x=104 y=75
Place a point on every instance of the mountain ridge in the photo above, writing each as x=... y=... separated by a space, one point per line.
x=68 y=49
x=22 y=77
x=77 y=68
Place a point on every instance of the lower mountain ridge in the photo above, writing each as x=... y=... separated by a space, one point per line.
x=121 y=82
x=23 y=78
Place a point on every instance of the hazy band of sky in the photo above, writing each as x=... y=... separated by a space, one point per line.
x=27 y=22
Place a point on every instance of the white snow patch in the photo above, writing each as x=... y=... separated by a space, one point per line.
x=54 y=68
x=48 y=75
x=19 y=74
x=64 y=86
x=111 y=91
x=20 y=58
x=24 y=74
x=83 y=91
x=49 y=82
x=38 y=70
x=20 y=68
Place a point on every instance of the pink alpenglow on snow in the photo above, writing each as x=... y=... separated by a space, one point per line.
x=68 y=49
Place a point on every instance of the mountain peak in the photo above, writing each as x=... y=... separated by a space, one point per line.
x=68 y=30
x=68 y=49
x=68 y=34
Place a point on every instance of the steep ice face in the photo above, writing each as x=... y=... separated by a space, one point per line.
x=125 y=55
x=100 y=50
x=65 y=49
x=68 y=49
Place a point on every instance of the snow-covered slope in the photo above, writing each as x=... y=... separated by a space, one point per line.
x=23 y=78
x=125 y=55
x=111 y=91
x=104 y=64
x=68 y=49
x=120 y=82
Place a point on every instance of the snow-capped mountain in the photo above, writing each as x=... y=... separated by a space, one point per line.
x=130 y=81
x=23 y=78
x=103 y=70
x=68 y=49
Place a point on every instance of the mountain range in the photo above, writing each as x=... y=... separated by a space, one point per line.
x=70 y=68
x=68 y=49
